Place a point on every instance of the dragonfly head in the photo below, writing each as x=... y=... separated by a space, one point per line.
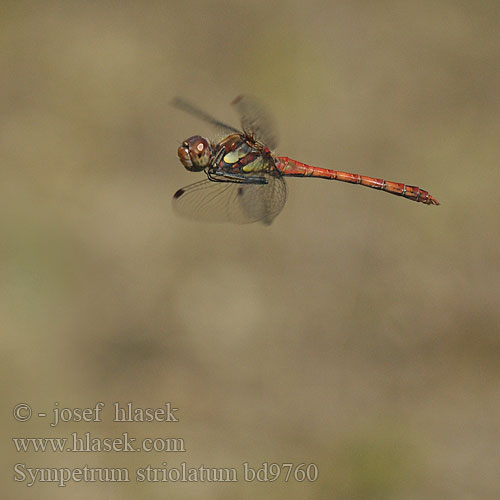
x=195 y=153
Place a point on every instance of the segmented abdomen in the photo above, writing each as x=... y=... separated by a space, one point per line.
x=290 y=167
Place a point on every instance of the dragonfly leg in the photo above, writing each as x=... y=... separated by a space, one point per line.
x=218 y=176
x=214 y=178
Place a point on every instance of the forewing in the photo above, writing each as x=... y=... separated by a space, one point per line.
x=256 y=120
x=194 y=110
x=239 y=203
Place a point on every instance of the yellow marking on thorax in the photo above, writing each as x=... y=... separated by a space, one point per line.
x=255 y=166
x=234 y=156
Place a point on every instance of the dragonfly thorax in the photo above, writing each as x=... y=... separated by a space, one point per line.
x=241 y=154
x=195 y=153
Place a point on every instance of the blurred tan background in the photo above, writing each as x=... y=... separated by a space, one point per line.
x=360 y=331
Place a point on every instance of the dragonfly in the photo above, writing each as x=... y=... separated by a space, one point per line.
x=245 y=181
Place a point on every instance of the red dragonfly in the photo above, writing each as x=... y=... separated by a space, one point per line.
x=245 y=180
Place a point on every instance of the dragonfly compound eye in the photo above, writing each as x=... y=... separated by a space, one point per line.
x=195 y=153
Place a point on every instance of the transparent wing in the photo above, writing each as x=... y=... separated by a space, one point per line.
x=256 y=120
x=192 y=109
x=240 y=203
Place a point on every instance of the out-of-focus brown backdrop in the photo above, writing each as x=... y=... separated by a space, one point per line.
x=360 y=331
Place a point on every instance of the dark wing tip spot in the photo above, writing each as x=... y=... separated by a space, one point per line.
x=237 y=99
x=178 y=193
